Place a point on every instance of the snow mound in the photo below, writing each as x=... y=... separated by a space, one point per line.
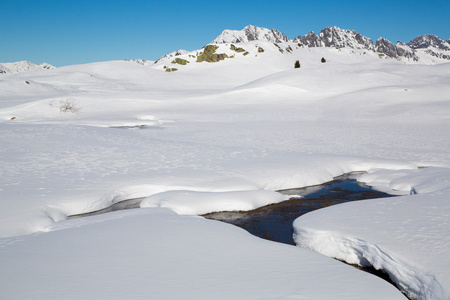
x=406 y=237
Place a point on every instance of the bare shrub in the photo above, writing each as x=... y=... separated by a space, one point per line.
x=66 y=105
x=69 y=105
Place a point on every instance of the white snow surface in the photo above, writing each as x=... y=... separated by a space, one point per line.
x=209 y=137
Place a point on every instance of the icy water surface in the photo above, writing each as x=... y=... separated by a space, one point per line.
x=274 y=222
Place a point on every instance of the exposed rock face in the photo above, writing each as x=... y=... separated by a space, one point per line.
x=340 y=38
x=310 y=40
x=336 y=37
x=404 y=50
x=386 y=47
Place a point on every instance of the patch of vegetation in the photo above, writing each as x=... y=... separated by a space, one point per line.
x=297 y=64
x=171 y=69
x=180 y=61
x=238 y=50
x=245 y=54
x=260 y=50
x=381 y=55
x=209 y=54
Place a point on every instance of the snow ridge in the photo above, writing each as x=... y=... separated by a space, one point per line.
x=411 y=281
x=173 y=54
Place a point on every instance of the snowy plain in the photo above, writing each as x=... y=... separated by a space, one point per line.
x=215 y=136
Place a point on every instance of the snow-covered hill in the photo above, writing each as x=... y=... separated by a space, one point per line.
x=23 y=66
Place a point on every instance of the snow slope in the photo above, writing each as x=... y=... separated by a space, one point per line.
x=228 y=135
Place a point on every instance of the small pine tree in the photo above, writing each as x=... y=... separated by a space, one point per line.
x=323 y=60
x=297 y=64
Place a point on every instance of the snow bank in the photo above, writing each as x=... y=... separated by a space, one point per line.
x=198 y=203
x=406 y=237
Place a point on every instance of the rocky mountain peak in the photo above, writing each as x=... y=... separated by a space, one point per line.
x=340 y=38
x=250 y=33
x=429 y=40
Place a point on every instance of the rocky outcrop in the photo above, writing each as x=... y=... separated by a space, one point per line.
x=209 y=54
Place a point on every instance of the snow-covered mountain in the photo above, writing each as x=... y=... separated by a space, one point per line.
x=250 y=33
x=431 y=45
x=23 y=66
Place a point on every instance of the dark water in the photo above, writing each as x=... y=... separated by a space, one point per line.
x=274 y=222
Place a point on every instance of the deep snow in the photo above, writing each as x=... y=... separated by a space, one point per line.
x=246 y=125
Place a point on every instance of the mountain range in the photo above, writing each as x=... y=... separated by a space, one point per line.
x=427 y=49
x=343 y=38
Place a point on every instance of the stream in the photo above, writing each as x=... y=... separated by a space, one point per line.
x=274 y=222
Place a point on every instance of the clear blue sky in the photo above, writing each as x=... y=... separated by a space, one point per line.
x=66 y=32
